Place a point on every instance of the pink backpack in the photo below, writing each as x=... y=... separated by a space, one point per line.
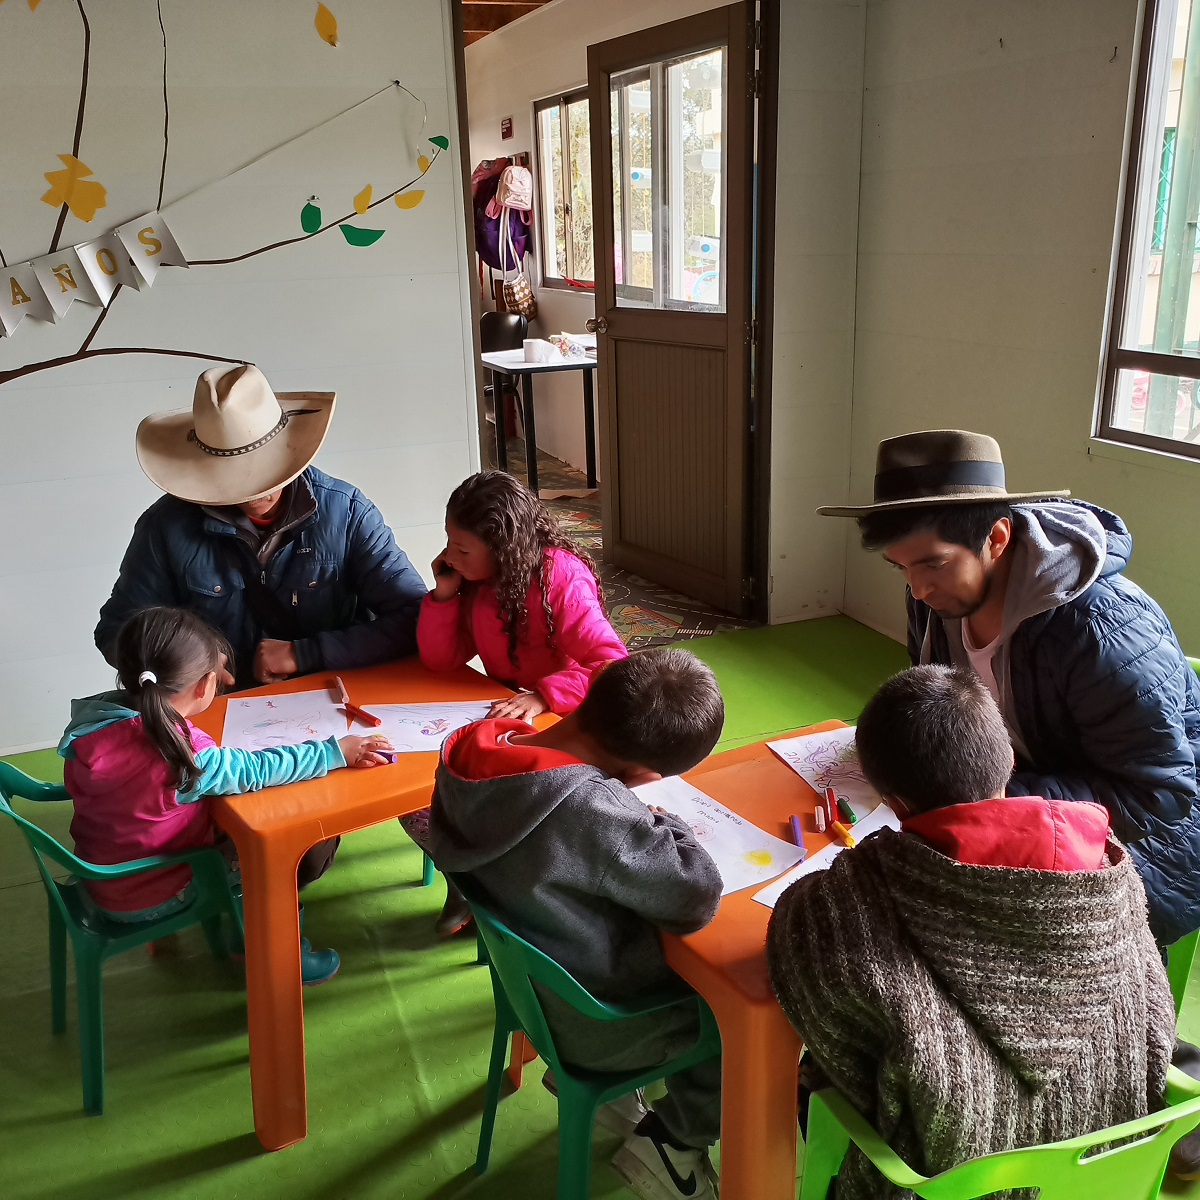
x=515 y=191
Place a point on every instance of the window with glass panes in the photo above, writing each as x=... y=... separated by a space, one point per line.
x=1151 y=396
x=564 y=164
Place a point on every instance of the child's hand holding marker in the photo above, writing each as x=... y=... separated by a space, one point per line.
x=366 y=752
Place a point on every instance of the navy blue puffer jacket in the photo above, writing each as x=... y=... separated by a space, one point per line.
x=350 y=592
x=1108 y=709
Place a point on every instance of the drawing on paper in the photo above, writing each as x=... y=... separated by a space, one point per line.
x=830 y=759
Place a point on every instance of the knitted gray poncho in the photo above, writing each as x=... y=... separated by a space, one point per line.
x=967 y=1009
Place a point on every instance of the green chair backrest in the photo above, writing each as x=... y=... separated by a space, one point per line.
x=518 y=965
x=16 y=784
x=1126 y=1161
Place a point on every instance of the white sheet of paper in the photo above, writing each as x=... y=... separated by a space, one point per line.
x=830 y=759
x=417 y=728
x=744 y=854
x=263 y=722
x=882 y=817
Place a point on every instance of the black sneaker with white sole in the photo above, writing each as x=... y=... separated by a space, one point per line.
x=656 y=1168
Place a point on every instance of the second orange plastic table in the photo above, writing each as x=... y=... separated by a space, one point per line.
x=272 y=829
x=726 y=962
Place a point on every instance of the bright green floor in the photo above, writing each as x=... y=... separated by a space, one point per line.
x=397 y=1044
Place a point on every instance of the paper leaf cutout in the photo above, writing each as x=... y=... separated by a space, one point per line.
x=33 y=5
x=82 y=196
x=326 y=24
x=423 y=164
x=409 y=199
x=441 y=142
x=361 y=237
x=310 y=218
x=363 y=200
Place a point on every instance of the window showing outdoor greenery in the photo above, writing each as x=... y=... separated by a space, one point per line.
x=1151 y=397
x=565 y=188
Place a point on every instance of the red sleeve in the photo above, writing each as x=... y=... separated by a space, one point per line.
x=581 y=632
x=443 y=641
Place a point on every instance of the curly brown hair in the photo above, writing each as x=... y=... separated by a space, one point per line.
x=518 y=529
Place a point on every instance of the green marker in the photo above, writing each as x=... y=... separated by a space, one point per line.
x=847 y=812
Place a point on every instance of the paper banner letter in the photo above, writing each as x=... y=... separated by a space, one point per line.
x=21 y=296
x=64 y=280
x=107 y=264
x=151 y=245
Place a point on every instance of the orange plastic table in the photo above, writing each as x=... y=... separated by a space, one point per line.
x=726 y=962
x=272 y=829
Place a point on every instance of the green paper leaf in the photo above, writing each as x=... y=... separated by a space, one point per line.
x=361 y=237
x=441 y=141
x=310 y=218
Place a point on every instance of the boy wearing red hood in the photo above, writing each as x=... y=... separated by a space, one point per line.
x=984 y=979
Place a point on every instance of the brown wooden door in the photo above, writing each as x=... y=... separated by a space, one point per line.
x=672 y=175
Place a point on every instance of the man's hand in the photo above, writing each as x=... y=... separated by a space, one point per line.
x=363 y=752
x=446 y=580
x=224 y=675
x=524 y=706
x=274 y=661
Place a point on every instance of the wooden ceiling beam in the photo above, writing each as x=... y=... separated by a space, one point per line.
x=486 y=18
x=473 y=35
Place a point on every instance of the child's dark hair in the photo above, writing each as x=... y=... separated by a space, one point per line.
x=518 y=529
x=659 y=708
x=959 y=524
x=178 y=649
x=933 y=736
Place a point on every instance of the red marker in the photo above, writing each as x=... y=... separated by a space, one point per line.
x=831 y=811
x=351 y=710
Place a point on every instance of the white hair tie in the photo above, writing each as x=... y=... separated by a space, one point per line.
x=147 y=677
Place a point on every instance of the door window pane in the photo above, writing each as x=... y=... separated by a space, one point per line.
x=668 y=183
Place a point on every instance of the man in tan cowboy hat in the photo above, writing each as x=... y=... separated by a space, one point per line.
x=1027 y=589
x=299 y=571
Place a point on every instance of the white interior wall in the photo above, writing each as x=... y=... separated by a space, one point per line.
x=820 y=103
x=991 y=166
x=386 y=327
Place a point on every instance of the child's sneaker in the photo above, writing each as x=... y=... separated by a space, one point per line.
x=317 y=966
x=654 y=1168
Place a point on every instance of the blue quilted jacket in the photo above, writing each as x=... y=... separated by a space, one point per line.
x=1101 y=701
x=350 y=592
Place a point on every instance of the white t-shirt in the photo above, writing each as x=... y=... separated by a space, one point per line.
x=981 y=660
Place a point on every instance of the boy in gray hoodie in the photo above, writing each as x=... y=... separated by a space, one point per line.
x=546 y=828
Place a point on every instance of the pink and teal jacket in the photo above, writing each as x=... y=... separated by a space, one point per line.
x=451 y=632
x=126 y=805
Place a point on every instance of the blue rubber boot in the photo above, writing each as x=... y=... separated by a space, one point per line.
x=316 y=966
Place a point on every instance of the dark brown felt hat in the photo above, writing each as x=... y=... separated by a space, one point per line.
x=935 y=467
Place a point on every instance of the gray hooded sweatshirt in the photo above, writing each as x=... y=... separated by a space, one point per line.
x=574 y=863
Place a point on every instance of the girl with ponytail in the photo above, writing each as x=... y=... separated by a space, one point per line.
x=140 y=773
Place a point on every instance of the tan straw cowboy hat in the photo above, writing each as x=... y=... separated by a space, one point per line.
x=936 y=467
x=237 y=442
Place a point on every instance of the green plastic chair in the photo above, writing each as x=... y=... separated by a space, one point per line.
x=95 y=939
x=1180 y=957
x=1082 y=1166
x=515 y=965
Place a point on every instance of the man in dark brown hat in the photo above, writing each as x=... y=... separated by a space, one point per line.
x=1027 y=589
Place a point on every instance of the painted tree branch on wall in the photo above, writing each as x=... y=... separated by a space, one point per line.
x=72 y=181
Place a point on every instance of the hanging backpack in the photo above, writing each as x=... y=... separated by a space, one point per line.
x=485 y=182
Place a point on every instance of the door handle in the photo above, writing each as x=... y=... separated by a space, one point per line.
x=596 y=325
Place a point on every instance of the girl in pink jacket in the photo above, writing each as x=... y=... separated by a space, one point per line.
x=512 y=588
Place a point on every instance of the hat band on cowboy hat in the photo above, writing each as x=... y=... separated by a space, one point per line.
x=937 y=467
x=238 y=442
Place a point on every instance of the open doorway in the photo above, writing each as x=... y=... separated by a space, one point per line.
x=676 y=441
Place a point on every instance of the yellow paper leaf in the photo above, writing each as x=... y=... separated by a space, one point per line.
x=363 y=200
x=326 y=24
x=33 y=5
x=83 y=197
x=409 y=199
x=423 y=164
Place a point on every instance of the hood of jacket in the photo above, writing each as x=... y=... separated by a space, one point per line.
x=92 y=714
x=1060 y=549
x=485 y=818
x=978 y=931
